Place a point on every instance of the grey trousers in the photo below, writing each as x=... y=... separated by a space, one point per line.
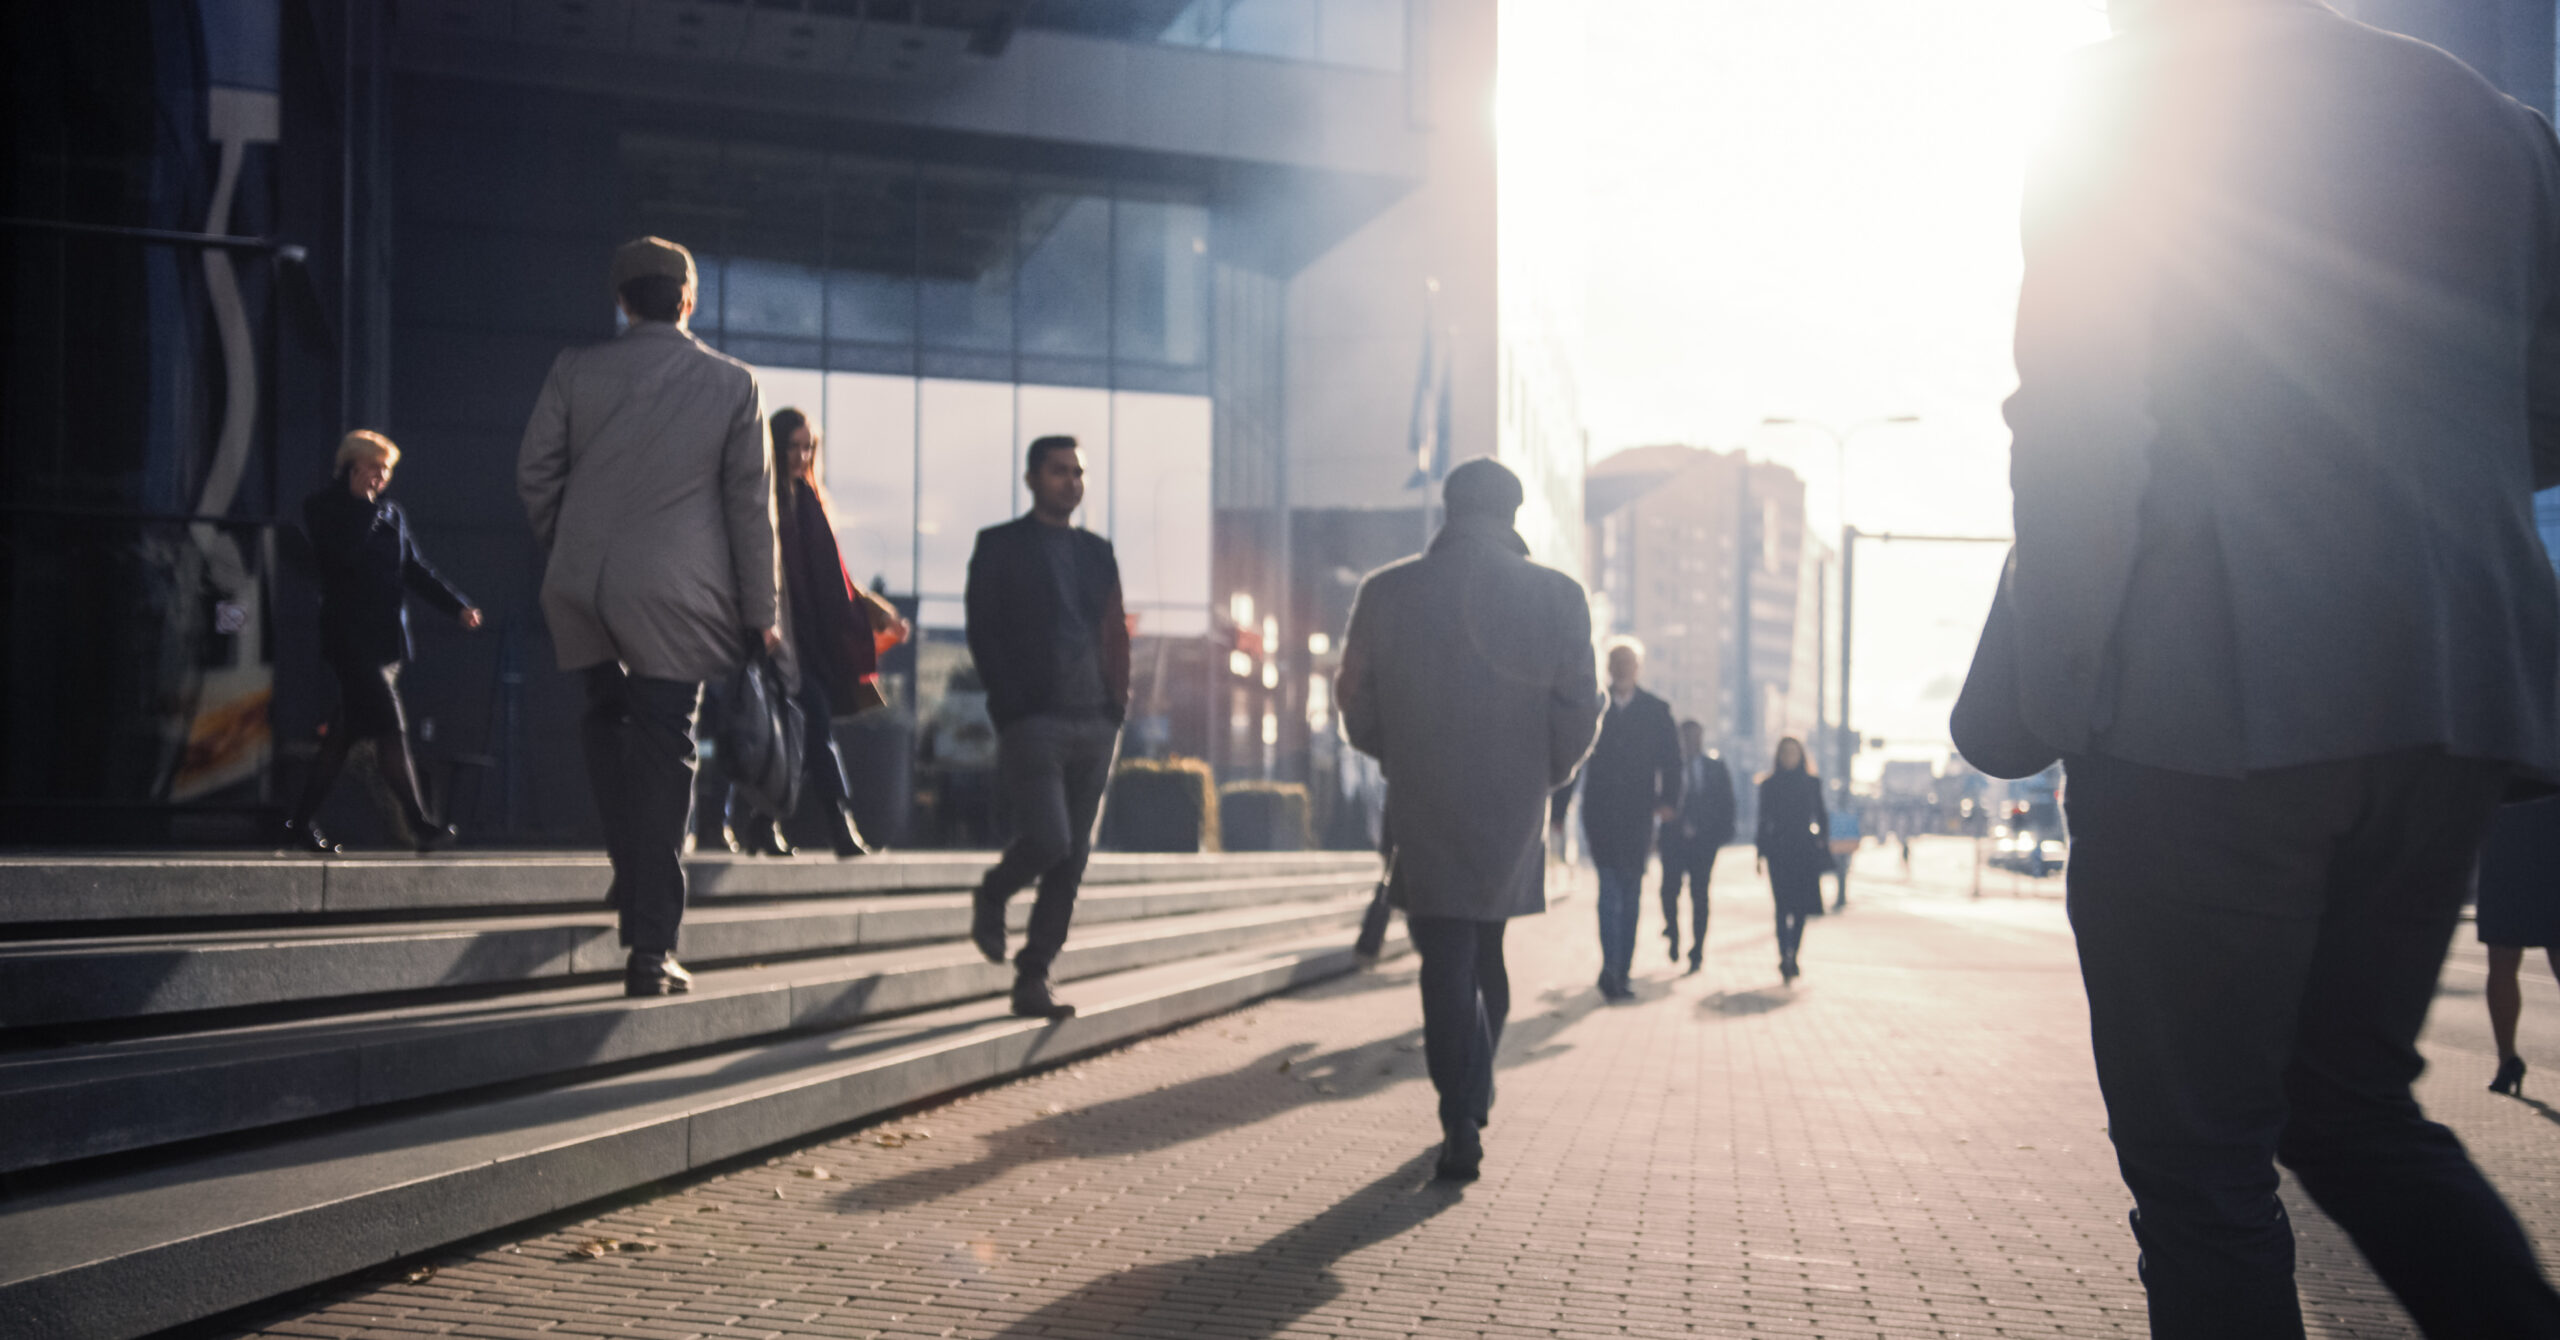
x=1054 y=771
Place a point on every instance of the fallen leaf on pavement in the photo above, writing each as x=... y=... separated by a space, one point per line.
x=421 y=1274
x=820 y=1174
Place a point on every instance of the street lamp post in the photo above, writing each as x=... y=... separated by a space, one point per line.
x=1840 y=437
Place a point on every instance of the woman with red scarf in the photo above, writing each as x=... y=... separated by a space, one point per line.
x=837 y=632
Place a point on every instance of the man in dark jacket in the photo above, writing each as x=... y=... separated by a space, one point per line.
x=1467 y=674
x=2289 y=372
x=1692 y=838
x=1051 y=641
x=1631 y=783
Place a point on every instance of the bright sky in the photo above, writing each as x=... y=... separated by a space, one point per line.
x=1808 y=208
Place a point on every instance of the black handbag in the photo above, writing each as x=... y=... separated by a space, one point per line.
x=761 y=735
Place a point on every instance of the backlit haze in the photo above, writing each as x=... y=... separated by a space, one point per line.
x=1808 y=208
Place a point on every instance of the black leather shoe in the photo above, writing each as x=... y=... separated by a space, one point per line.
x=655 y=975
x=1671 y=941
x=1697 y=961
x=2510 y=1080
x=436 y=837
x=1460 y=1161
x=846 y=838
x=1032 y=1000
x=986 y=925
x=305 y=836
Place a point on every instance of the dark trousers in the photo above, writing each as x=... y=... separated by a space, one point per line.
x=822 y=783
x=2260 y=953
x=369 y=708
x=1790 y=933
x=1054 y=771
x=1621 y=893
x=1466 y=997
x=1692 y=866
x=638 y=735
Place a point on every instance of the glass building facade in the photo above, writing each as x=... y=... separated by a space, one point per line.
x=934 y=320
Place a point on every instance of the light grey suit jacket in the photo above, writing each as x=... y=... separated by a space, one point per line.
x=648 y=477
x=2289 y=372
x=1467 y=673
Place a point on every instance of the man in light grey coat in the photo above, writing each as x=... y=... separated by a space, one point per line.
x=1467 y=673
x=649 y=480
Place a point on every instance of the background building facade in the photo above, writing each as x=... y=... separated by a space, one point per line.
x=1226 y=243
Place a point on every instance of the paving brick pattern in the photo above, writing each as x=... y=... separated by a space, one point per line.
x=1907 y=1143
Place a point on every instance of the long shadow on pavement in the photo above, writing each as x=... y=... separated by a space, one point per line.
x=1276 y=1081
x=1253 y=1293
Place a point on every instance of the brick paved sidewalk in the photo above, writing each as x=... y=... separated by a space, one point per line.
x=1908 y=1143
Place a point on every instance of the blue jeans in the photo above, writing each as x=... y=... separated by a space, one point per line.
x=1621 y=891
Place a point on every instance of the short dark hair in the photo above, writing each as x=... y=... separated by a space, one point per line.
x=653 y=297
x=1041 y=447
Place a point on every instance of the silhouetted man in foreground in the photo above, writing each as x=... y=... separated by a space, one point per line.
x=1631 y=783
x=648 y=479
x=1467 y=674
x=1051 y=642
x=2289 y=372
x=1691 y=839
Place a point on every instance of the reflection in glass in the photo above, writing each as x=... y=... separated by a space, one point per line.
x=1364 y=33
x=1066 y=270
x=1283 y=28
x=773 y=298
x=871 y=252
x=871 y=475
x=965 y=258
x=1161 y=278
x=1085 y=415
x=965 y=458
x=1162 y=445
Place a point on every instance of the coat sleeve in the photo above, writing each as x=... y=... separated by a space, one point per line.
x=746 y=498
x=983 y=599
x=542 y=463
x=1115 y=637
x=1355 y=685
x=1573 y=704
x=1670 y=777
x=1768 y=826
x=424 y=581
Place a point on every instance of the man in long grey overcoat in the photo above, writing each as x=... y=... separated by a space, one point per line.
x=648 y=477
x=1467 y=674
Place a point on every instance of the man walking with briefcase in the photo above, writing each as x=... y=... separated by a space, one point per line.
x=662 y=568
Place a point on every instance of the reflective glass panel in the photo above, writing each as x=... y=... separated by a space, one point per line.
x=871 y=252
x=1066 y=274
x=1161 y=446
x=1365 y=33
x=871 y=475
x=763 y=297
x=1162 y=279
x=1284 y=28
x=964 y=452
x=964 y=255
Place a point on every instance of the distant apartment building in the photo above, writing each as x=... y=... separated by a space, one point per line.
x=1704 y=557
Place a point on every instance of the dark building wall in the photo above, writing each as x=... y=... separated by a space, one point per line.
x=497 y=262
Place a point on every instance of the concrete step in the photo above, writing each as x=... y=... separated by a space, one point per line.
x=56 y=982
x=83 y=1102
x=127 y=1255
x=46 y=888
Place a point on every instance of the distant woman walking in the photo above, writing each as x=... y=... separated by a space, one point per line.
x=2519 y=910
x=1795 y=846
x=369 y=566
x=837 y=632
